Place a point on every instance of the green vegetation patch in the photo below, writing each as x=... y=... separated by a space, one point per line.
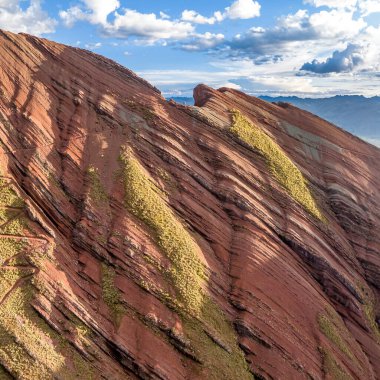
x=8 y=197
x=283 y=169
x=331 y=331
x=29 y=348
x=332 y=368
x=212 y=337
x=222 y=360
x=15 y=223
x=143 y=200
x=8 y=278
x=26 y=337
x=9 y=248
x=112 y=295
x=371 y=317
x=97 y=191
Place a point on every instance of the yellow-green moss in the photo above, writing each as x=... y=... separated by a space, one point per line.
x=8 y=197
x=331 y=367
x=188 y=277
x=101 y=239
x=370 y=314
x=112 y=295
x=9 y=277
x=29 y=348
x=15 y=224
x=220 y=361
x=97 y=191
x=83 y=332
x=142 y=199
x=167 y=178
x=331 y=331
x=283 y=169
x=9 y=248
x=148 y=114
x=19 y=323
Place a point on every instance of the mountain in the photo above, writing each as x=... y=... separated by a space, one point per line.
x=144 y=239
x=182 y=100
x=357 y=114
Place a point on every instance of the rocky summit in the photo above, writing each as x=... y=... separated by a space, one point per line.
x=143 y=239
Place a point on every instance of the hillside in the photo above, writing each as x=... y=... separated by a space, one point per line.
x=144 y=239
x=356 y=114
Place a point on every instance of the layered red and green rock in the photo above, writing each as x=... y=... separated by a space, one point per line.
x=144 y=239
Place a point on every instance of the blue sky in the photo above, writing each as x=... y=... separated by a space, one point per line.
x=311 y=48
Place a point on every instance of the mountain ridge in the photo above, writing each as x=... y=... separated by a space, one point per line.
x=356 y=114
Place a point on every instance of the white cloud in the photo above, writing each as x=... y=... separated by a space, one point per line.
x=341 y=61
x=72 y=15
x=361 y=53
x=337 y=4
x=370 y=38
x=147 y=26
x=283 y=84
x=100 y=9
x=322 y=30
x=243 y=9
x=196 y=18
x=239 y=9
x=335 y=24
x=33 y=19
x=164 y=15
x=95 y=12
x=150 y=28
x=231 y=85
x=368 y=7
x=200 y=42
x=93 y=46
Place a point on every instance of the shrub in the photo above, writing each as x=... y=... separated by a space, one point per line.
x=97 y=191
x=112 y=295
x=331 y=367
x=332 y=333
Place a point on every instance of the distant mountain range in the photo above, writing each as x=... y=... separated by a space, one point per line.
x=183 y=100
x=357 y=114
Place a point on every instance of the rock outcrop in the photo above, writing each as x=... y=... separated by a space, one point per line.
x=145 y=239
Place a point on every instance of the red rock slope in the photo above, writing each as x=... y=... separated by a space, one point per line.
x=144 y=239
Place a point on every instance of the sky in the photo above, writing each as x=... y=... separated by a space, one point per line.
x=306 y=48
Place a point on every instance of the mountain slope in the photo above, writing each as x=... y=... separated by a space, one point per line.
x=356 y=114
x=145 y=239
